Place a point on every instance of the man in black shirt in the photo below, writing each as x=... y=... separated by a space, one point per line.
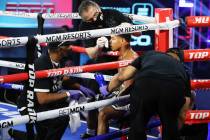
x=93 y=17
x=48 y=95
x=161 y=84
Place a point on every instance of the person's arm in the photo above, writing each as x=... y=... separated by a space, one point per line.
x=74 y=84
x=92 y=52
x=92 y=46
x=100 y=44
x=71 y=82
x=126 y=74
x=43 y=94
x=122 y=76
x=46 y=97
x=42 y=87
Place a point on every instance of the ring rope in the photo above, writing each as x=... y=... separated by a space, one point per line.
x=191 y=21
x=72 y=36
x=118 y=133
x=139 y=18
x=65 y=71
x=79 y=75
x=189 y=56
x=194 y=116
x=62 y=111
x=111 y=135
x=195 y=84
x=12 y=86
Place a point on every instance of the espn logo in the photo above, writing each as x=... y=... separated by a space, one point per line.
x=201 y=19
x=124 y=63
x=202 y=115
x=198 y=55
x=30 y=7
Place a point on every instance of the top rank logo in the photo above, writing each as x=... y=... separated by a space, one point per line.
x=198 y=55
x=201 y=19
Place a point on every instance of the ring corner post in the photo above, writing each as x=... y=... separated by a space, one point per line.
x=163 y=38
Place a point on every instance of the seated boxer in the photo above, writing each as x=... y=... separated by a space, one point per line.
x=119 y=43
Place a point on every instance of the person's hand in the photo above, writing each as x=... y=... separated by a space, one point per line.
x=126 y=24
x=75 y=95
x=100 y=79
x=103 y=90
x=102 y=42
x=102 y=84
x=87 y=92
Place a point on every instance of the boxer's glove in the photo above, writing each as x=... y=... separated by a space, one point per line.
x=102 y=42
x=75 y=95
x=87 y=92
x=102 y=84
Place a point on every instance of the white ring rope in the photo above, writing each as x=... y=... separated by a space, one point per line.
x=72 y=36
x=18 y=14
x=89 y=75
x=86 y=75
x=13 y=65
x=62 y=111
x=139 y=18
x=134 y=17
x=61 y=16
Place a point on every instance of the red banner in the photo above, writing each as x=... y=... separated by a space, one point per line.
x=197 y=116
x=198 y=21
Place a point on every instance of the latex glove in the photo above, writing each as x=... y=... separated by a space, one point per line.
x=125 y=24
x=100 y=79
x=75 y=95
x=103 y=90
x=102 y=42
x=87 y=92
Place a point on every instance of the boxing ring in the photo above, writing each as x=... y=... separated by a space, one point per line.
x=163 y=27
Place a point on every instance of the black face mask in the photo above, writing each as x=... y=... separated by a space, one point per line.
x=99 y=20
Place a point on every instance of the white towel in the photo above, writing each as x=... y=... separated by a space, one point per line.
x=74 y=119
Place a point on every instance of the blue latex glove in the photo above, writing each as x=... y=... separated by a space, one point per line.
x=100 y=79
x=104 y=91
x=87 y=92
x=75 y=95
